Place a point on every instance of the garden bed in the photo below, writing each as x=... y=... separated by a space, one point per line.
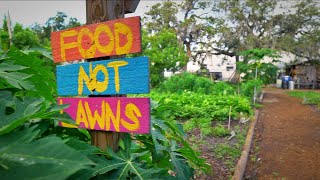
x=222 y=153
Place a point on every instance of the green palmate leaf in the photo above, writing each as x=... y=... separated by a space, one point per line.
x=5 y=66
x=124 y=164
x=40 y=74
x=157 y=135
x=45 y=52
x=46 y=158
x=181 y=167
x=15 y=79
x=82 y=147
x=21 y=112
x=18 y=137
x=193 y=158
x=14 y=112
x=4 y=97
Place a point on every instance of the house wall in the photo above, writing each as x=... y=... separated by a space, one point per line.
x=219 y=63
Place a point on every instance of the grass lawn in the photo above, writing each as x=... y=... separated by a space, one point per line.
x=310 y=97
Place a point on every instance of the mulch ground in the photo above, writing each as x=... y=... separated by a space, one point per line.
x=287 y=140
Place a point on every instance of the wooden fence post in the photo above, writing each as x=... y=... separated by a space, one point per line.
x=99 y=11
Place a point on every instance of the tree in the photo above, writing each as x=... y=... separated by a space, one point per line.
x=24 y=37
x=56 y=23
x=73 y=22
x=161 y=16
x=190 y=29
x=253 y=60
x=299 y=33
x=164 y=52
x=266 y=24
x=238 y=25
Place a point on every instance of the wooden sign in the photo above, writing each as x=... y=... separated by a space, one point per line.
x=119 y=114
x=117 y=37
x=119 y=76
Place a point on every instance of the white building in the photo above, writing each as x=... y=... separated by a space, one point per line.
x=223 y=67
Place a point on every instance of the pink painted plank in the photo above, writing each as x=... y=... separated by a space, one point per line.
x=119 y=114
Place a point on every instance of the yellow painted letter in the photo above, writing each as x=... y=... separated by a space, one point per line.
x=63 y=124
x=108 y=48
x=68 y=45
x=100 y=86
x=110 y=116
x=121 y=28
x=81 y=115
x=96 y=117
x=86 y=53
x=82 y=76
x=116 y=65
x=132 y=112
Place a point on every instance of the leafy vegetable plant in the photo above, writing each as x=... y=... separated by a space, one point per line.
x=33 y=146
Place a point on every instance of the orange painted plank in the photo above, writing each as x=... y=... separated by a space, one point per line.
x=110 y=38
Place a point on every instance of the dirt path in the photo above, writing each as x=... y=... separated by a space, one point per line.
x=287 y=140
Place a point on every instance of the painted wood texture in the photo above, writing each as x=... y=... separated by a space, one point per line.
x=119 y=114
x=116 y=37
x=108 y=77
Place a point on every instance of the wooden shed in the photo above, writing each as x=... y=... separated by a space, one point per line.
x=305 y=75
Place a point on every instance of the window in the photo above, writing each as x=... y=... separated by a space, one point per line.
x=229 y=68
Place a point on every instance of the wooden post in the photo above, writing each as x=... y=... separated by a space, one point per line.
x=229 y=118
x=99 y=11
x=9 y=29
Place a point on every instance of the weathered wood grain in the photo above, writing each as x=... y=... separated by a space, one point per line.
x=99 y=11
x=108 y=77
x=116 y=37
x=119 y=114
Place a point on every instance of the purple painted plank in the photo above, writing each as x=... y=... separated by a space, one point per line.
x=120 y=114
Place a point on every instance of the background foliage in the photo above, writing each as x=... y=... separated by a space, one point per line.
x=34 y=146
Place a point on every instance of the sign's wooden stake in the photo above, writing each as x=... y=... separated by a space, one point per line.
x=229 y=121
x=98 y=11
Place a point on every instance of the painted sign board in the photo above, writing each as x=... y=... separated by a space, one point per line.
x=116 y=37
x=108 y=77
x=119 y=114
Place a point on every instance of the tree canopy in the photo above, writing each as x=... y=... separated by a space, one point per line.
x=164 y=52
x=36 y=35
x=229 y=27
x=56 y=23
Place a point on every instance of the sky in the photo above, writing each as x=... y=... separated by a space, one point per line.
x=28 y=12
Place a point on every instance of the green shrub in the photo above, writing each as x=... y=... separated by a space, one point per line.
x=204 y=124
x=198 y=110
x=191 y=82
x=189 y=125
x=309 y=97
x=220 y=131
x=253 y=59
x=247 y=88
x=197 y=105
x=226 y=151
x=186 y=82
x=30 y=137
x=223 y=88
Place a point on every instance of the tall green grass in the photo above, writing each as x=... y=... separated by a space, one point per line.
x=310 y=97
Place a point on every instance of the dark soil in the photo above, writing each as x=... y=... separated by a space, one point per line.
x=286 y=143
x=206 y=146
